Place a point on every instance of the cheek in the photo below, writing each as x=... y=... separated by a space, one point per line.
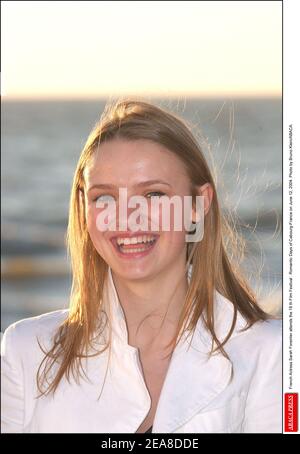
x=96 y=219
x=96 y=235
x=169 y=220
x=91 y=220
x=172 y=230
x=174 y=241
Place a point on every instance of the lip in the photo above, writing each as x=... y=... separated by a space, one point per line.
x=132 y=255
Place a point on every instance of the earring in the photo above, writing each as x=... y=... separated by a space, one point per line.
x=193 y=224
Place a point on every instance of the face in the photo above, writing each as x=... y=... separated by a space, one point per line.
x=145 y=169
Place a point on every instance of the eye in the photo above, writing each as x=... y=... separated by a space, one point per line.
x=104 y=198
x=155 y=194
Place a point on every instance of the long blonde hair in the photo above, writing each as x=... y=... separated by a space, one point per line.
x=133 y=120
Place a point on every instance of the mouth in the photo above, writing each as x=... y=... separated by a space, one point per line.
x=134 y=247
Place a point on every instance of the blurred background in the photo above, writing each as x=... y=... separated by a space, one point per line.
x=215 y=64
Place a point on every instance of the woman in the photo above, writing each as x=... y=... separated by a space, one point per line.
x=162 y=334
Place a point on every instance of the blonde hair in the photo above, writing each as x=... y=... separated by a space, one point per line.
x=133 y=120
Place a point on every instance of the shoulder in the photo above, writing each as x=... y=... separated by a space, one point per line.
x=46 y=322
x=263 y=338
x=266 y=335
x=260 y=345
x=270 y=330
x=23 y=334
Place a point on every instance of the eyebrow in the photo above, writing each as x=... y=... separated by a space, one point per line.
x=140 y=184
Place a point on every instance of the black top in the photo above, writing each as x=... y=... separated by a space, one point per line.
x=149 y=430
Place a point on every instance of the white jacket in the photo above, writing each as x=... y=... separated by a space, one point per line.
x=196 y=397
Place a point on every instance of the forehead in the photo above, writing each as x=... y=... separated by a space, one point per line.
x=120 y=162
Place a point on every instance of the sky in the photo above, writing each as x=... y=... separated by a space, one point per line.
x=89 y=49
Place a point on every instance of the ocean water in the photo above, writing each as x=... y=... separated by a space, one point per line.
x=41 y=143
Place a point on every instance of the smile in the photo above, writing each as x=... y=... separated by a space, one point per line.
x=135 y=246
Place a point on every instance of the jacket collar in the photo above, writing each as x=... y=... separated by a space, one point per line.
x=193 y=378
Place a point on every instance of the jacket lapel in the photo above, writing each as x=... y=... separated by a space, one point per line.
x=194 y=378
x=191 y=383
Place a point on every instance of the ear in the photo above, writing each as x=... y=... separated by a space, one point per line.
x=207 y=192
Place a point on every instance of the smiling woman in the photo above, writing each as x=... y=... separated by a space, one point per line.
x=162 y=333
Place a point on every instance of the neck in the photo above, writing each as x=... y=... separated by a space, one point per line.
x=152 y=307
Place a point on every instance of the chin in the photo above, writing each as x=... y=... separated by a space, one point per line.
x=135 y=271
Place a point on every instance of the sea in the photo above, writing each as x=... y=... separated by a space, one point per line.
x=41 y=142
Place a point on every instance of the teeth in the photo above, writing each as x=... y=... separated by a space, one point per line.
x=135 y=240
x=128 y=251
